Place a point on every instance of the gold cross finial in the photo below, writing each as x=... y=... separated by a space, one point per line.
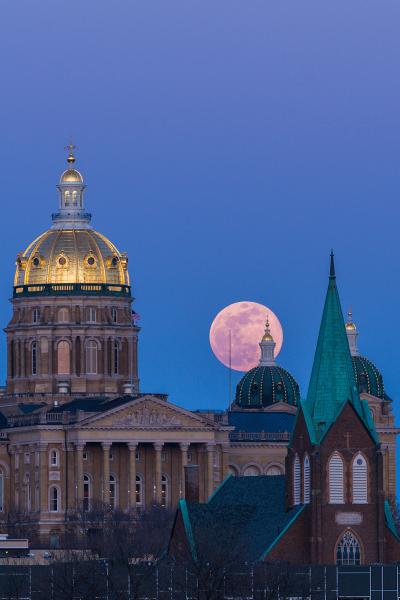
x=70 y=147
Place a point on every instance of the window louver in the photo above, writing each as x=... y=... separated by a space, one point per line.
x=336 y=491
x=306 y=480
x=360 y=480
x=296 y=480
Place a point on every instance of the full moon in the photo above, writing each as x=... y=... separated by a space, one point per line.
x=246 y=323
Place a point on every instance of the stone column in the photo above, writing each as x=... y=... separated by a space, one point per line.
x=43 y=478
x=73 y=364
x=79 y=446
x=184 y=459
x=106 y=472
x=210 y=469
x=132 y=446
x=224 y=460
x=105 y=357
x=158 y=446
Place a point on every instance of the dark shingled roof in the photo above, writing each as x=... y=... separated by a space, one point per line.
x=261 y=421
x=247 y=513
x=91 y=404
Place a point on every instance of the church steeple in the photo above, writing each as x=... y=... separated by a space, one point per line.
x=332 y=380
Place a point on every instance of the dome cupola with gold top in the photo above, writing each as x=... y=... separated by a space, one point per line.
x=71 y=251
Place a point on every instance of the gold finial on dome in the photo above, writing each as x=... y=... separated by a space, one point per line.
x=350 y=326
x=71 y=158
x=267 y=337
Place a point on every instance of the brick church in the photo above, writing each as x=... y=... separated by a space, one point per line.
x=332 y=506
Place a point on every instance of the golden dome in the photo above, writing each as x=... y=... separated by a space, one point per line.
x=71 y=256
x=71 y=176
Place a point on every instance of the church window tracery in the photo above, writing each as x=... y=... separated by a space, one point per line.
x=348 y=551
x=359 y=480
x=296 y=480
x=336 y=480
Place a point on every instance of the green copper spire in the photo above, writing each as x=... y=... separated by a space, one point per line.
x=332 y=380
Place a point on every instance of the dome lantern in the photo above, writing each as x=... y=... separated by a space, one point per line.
x=267 y=347
x=352 y=335
x=71 y=190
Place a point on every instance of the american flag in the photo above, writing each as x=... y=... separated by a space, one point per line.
x=135 y=317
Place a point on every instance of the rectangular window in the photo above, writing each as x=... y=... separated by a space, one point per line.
x=189 y=456
x=137 y=455
x=92 y=317
x=163 y=456
x=111 y=456
x=37 y=459
x=27 y=458
x=85 y=455
x=17 y=461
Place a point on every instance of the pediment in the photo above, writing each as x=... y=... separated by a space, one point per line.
x=148 y=412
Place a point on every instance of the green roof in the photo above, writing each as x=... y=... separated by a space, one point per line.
x=332 y=382
x=246 y=516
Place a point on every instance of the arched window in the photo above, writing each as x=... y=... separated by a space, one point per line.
x=74 y=197
x=63 y=315
x=54 y=499
x=306 y=480
x=54 y=458
x=139 y=491
x=116 y=358
x=2 y=488
x=164 y=491
x=87 y=492
x=91 y=357
x=251 y=471
x=63 y=358
x=34 y=357
x=348 y=550
x=114 y=314
x=233 y=470
x=274 y=470
x=359 y=480
x=113 y=492
x=336 y=485
x=296 y=480
x=66 y=198
x=35 y=315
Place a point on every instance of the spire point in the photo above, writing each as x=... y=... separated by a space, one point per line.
x=332 y=274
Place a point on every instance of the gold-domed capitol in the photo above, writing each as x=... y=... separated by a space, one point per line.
x=71 y=329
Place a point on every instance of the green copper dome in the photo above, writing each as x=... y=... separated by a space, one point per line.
x=266 y=385
x=368 y=378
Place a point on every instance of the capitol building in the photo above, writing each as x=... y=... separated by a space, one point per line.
x=76 y=428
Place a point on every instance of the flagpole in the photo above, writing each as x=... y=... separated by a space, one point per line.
x=230 y=370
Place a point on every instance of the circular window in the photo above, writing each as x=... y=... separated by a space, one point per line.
x=91 y=260
x=62 y=261
x=359 y=461
x=114 y=261
x=36 y=262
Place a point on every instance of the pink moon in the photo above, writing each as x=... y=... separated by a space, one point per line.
x=246 y=322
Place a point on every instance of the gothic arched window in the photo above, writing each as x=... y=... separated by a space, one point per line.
x=63 y=358
x=348 y=550
x=336 y=483
x=34 y=357
x=359 y=480
x=296 y=480
x=91 y=357
x=306 y=480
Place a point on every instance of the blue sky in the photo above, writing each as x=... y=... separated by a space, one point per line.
x=227 y=146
